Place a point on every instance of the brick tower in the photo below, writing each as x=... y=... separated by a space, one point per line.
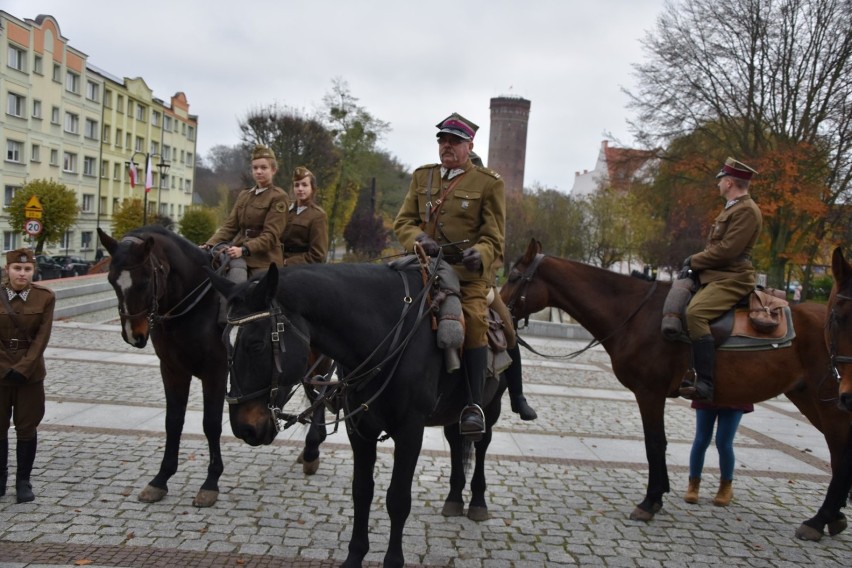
x=507 y=145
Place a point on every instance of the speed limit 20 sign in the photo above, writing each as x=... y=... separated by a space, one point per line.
x=32 y=227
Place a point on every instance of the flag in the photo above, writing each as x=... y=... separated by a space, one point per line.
x=149 y=176
x=134 y=177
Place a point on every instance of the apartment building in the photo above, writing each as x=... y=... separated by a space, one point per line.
x=69 y=121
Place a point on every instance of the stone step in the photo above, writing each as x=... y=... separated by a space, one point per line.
x=83 y=295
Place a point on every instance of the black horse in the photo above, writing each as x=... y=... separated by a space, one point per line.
x=163 y=292
x=372 y=319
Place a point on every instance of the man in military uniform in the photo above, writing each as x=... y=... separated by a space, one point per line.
x=26 y=320
x=724 y=272
x=255 y=224
x=461 y=208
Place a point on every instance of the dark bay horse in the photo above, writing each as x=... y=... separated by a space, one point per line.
x=371 y=320
x=838 y=329
x=163 y=293
x=625 y=314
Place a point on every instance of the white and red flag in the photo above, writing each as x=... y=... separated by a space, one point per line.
x=134 y=175
x=149 y=176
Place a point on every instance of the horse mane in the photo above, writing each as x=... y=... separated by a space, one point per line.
x=186 y=247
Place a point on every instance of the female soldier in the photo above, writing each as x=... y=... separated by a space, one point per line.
x=26 y=320
x=305 y=239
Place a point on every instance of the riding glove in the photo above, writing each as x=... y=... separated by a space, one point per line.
x=472 y=259
x=430 y=247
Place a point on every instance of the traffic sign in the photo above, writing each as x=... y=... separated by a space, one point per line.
x=33 y=203
x=32 y=227
x=32 y=214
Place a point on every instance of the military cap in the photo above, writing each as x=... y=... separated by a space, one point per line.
x=736 y=169
x=301 y=173
x=458 y=125
x=261 y=151
x=20 y=255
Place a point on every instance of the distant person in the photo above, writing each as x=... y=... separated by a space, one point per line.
x=26 y=320
x=305 y=238
x=254 y=227
x=724 y=272
x=797 y=295
x=727 y=419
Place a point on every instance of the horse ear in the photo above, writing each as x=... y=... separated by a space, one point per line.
x=532 y=250
x=219 y=283
x=840 y=268
x=270 y=288
x=109 y=243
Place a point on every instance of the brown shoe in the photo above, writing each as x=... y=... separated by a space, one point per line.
x=691 y=495
x=725 y=494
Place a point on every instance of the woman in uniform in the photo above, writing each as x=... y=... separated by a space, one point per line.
x=305 y=238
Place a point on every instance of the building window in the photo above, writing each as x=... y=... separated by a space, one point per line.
x=155 y=147
x=140 y=144
x=116 y=171
x=119 y=103
x=106 y=133
x=54 y=157
x=54 y=115
x=10 y=240
x=9 y=194
x=72 y=82
x=35 y=153
x=89 y=166
x=57 y=72
x=91 y=129
x=17 y=58
x=105 y=169
x=36 y=108
x=165 y=182
x=72 y=123
x=140 y=112
x=191 y=133
x=38 y=65
x=85 y=238
x=167 y=152
x=88 y=202
x=155 y=118
x=189 y=159
x=14 y=151
x=93 y=91
x=69 y=162
x=118 y=137
x=65 y=241
x=127 y=139
x=167 y=123
x=16 y=105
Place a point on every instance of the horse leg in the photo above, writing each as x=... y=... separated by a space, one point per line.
x=408 y=441
x=177 y=394
x=363 y=486
x=478 y=509
x=310 y=455
x=214 y=401
x=652 y=408
x=454 y=503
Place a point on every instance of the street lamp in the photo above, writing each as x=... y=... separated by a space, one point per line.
x=162 y=167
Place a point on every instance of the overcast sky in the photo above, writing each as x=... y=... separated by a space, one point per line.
x=409 y=63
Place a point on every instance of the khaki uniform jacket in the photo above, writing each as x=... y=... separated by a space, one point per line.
x=727 y=255
x=36 y=318
x=305 y=238
x=475 y=209
x=265 y=215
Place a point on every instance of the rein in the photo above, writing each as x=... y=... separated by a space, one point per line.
x=520 y=294
x=833 y=331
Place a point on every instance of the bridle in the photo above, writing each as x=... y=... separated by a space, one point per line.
x=357 y=378
x=832 y=326
x=519 y=295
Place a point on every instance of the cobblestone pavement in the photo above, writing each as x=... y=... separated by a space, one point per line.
x=560 y=488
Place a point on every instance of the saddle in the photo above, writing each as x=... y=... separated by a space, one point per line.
x=760 y=320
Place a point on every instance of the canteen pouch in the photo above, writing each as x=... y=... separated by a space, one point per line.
x=765 y=311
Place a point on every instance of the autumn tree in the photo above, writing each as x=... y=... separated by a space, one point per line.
x=126 y=217
x=59 y=210
x=198 y=224
x=767 y=82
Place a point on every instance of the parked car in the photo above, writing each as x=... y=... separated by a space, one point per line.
x=47 y=268
x=72 y=265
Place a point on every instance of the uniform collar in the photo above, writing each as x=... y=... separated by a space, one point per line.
x=258 y=190
x=22 y=294
x=735 y=200
x=450 y=174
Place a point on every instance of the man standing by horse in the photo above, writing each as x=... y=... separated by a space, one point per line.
x=724 y=272
x=461 y=208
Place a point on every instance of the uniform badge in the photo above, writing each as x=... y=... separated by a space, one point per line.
x=281 y=207
x=465 y=204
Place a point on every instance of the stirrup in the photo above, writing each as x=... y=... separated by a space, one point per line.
x=465 y=423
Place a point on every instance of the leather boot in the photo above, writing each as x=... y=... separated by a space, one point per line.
x=691 y=495
x=472 y=420
x=515 y=380
x=4 y=465
x=26 y=452
x=725 y=493
x=704 y=361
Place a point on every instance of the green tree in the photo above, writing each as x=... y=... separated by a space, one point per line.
x=59 y=209
x=126 y=217
x=198 y=224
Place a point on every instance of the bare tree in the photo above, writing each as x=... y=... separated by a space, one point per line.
x=759 y=79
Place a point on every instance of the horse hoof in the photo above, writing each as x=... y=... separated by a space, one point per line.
x=453 y=509
x=804 y=532
x=310 y=468
x=640 y=514
x=301 y=458
x=478 y=514
x=152 y=494
x=205 y=498
x=837 y=526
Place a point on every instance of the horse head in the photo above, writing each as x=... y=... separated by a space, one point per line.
x=267 y=354
x=139 y=281
x=521 y=295
x=838 y=327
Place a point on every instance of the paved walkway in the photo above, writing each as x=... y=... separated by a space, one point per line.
x=560 y=488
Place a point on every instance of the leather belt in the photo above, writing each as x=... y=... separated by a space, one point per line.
x=15 y=344
x=253 y=233
x=289 y=249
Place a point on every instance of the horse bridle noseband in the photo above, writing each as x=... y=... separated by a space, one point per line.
x=832 y=326
x=519 y=296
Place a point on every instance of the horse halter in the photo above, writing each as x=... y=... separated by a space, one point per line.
x=833 y=331
x=520 y=293
x=157 y=286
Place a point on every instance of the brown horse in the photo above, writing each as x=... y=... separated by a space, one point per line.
x=625 y=314
x=838 y=329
